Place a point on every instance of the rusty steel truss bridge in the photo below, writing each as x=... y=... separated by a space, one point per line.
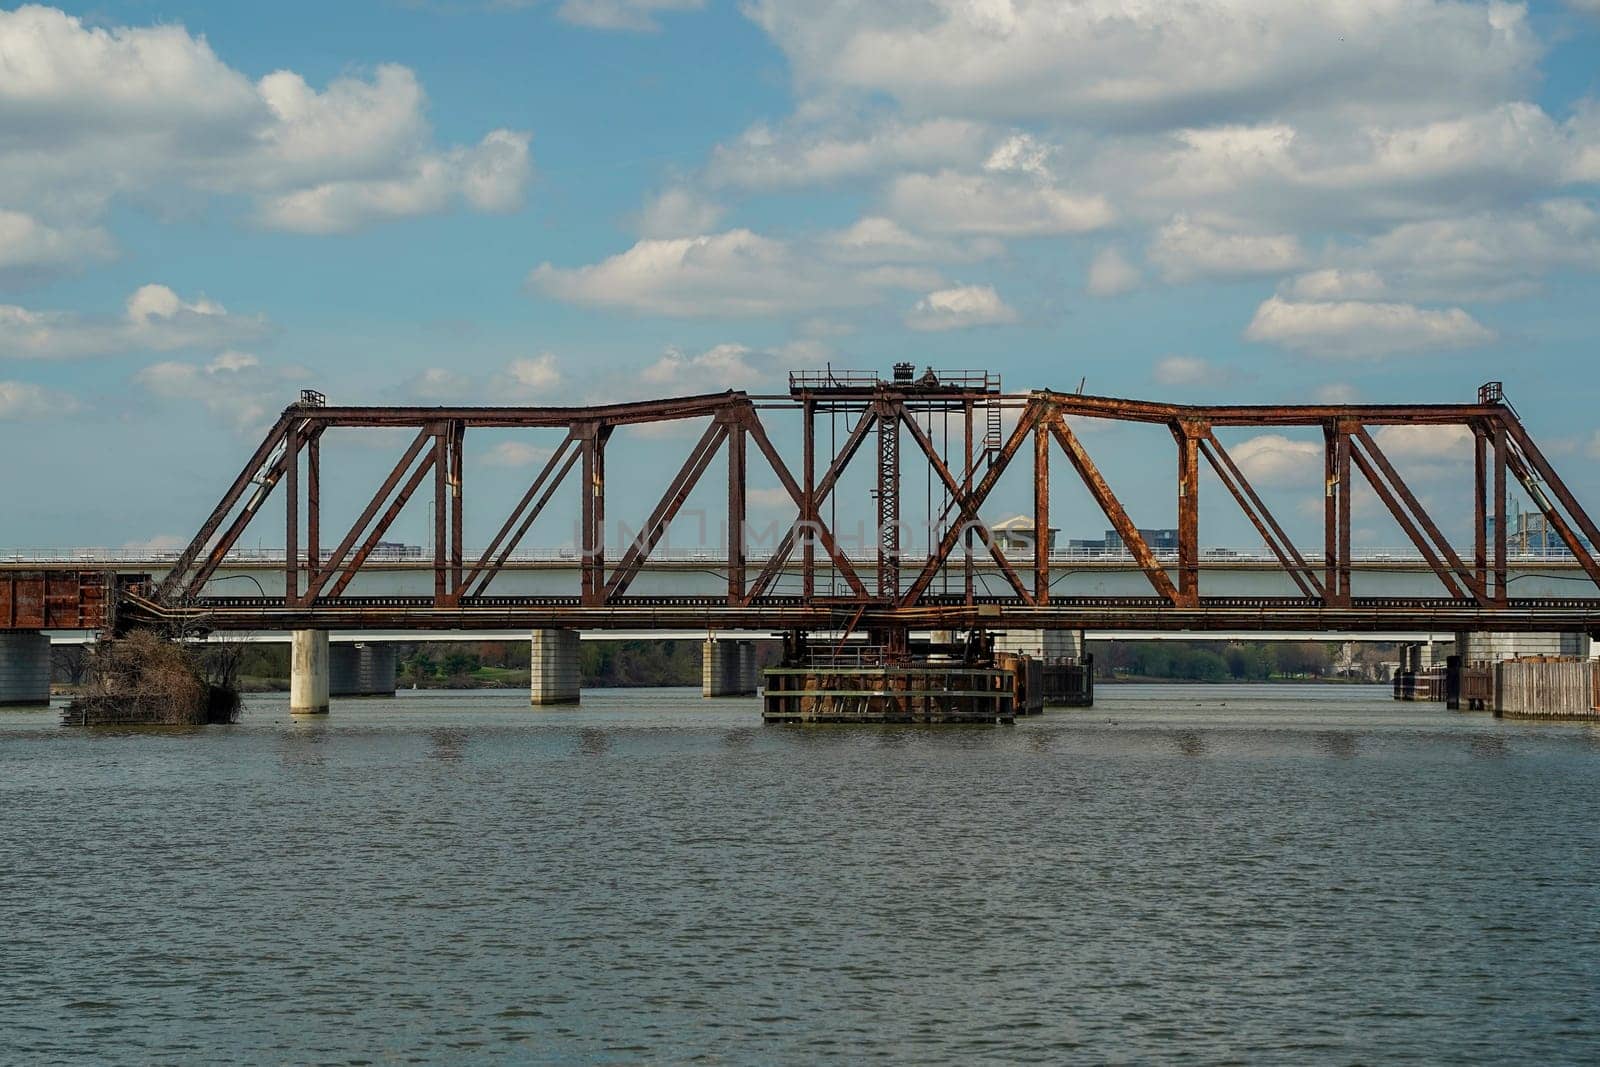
x=995 y=431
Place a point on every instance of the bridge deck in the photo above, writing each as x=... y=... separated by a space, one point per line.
x=1215 y=614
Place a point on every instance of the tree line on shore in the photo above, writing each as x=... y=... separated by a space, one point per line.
x=1235 y=661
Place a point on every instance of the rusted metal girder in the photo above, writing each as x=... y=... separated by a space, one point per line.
x=57 y=600
x=1239 y=487
x=1114 y=511
x=319 y=590
x=1413 y=519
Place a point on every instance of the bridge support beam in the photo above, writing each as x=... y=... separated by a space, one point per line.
x=554 y=668
x=24 y=669
x=308 y=673
x=364 y=670
x=728 y=668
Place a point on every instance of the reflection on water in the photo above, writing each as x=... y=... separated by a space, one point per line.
x=448 y=743
x=1340 y=744
x=1218 y=873
x=1190 y=742
x=593 y=742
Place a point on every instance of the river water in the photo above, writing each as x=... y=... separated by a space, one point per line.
x=1218 y=874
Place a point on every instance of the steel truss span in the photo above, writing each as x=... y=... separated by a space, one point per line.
x=933 y=592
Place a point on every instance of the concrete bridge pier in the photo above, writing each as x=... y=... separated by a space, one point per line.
x=308 y=673
x=728 y=668
x=24 y=669
x=1494 y=647
x=1068 y=670
x=555 y=670
x=749 y=675
x=364 y=670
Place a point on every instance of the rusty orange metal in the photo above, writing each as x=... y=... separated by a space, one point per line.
x=55 y=600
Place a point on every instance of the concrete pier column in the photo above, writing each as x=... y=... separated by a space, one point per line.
x=1063 y=644
x=24 y=669
x=555 y=675
x=308 y=673
x=364 y=670
x=722 y=668
x=749 y=677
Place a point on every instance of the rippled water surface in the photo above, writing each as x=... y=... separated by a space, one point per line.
x=1218 y=874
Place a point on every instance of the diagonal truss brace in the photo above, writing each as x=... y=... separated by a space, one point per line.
x=1413 y=519
x=336 y=561
x=1114 y=511
x=810 y=524
x=1277 y=541
x=506 y=541
x=962 y=513
x=666 y=508
x=758 y=433
x=958 y=491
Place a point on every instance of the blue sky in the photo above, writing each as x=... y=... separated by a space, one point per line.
x=206 y=207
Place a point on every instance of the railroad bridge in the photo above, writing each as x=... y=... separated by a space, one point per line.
x=961 y=428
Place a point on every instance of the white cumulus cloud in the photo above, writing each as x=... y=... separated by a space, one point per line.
x=1354 y=329
x=995 y=205
x=1186 y=250
x=235 y=387
x=960 y=307
x=1133 y=62
x=93 y=113
x=154 y=318
x=1110 y=273
x=1275 y=460
x=735 y=273
x=23 y=400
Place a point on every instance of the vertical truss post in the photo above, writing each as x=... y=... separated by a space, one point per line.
x=1189 y=434
x=592 y=436
x=1480 y=497
x=888 y=499
x=736 y=508
x=1336 y=513
x=458 y=436
x=1041 y=512
x=291 y=514
x=1345 y=489
x=313 y=506
x=968 y=568
x=1330 y=513
x=808 y=506
x=441 y=494
x=1500 y=591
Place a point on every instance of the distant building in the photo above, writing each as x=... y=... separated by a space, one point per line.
x=1530 y=531
x=1158 y=540
x=1016 y=534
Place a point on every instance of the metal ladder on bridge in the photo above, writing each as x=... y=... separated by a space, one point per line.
x=993 y=431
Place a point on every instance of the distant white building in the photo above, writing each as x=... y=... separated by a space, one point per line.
x=1017 y=534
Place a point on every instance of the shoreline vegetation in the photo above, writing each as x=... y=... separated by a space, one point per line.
x=264 y=668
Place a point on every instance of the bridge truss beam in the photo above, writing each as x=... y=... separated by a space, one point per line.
x=318 y=589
